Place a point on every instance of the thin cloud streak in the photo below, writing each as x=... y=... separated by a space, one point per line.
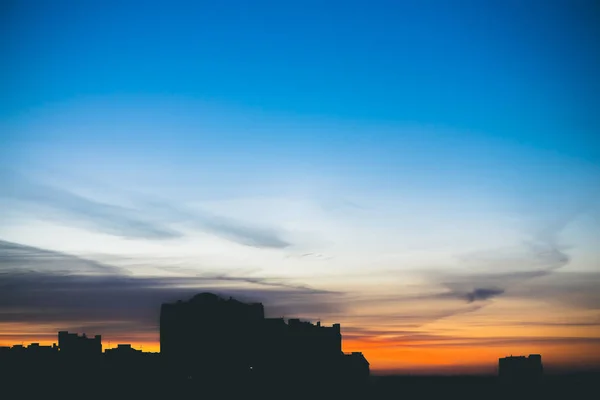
x=236 y=231
x=18 y=257
x=483 y=294
x=150 y=219
x=82 y=211
x=83 y=292
x=536 y=259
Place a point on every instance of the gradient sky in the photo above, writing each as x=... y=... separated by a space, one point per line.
x=426 y=173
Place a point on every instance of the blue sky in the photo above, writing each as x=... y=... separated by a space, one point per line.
x=357 y=147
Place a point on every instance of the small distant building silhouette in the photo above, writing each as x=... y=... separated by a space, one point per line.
x=71 y=344
x=35 y=348
x=122 y=350
x=521 y=367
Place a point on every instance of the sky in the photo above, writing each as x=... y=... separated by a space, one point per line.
x=426 y=173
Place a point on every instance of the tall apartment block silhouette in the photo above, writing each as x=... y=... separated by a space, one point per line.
x=209 y=336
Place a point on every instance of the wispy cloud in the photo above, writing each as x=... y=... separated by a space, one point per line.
x=492 y=273
x=149 y=219
x=483 y=294
x=311 y=256
x=241 y=233
x=265 y=281
x=410 y=313
x=68 y=297
x=567 y=288
x=499 y=341
x=49 y=201
x=18 y=257
x=248 y=234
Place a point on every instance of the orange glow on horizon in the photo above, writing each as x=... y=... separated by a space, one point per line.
x=394 y=356
x=397 y=357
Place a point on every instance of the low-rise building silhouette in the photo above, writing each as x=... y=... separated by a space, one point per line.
x=72 y=344
x=520 y=367
x=123 y=349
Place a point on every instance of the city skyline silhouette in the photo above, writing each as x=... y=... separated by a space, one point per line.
x=408 y=187
x=215 y=346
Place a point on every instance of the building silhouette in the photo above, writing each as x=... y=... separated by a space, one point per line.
x=208 y=338
x=208 y=335
x=520 y=367
x=210 y=346
x=71 y=344
x=122 y=350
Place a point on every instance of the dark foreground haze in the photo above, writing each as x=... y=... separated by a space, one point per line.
x=91 y=384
